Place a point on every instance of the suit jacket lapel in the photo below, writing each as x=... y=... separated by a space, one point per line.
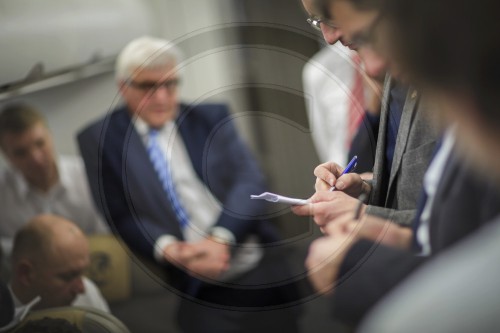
x=137 y=162
x=407 y=117
x=381 y=144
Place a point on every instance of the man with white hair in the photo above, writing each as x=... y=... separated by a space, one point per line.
x=175 y=182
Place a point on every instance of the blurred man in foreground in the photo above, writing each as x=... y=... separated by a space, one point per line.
x=458 y=292
x=357 y=265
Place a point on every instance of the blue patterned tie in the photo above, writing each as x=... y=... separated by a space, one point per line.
x=160 y=164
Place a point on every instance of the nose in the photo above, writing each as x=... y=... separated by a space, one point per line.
x=331 y=35
x=161 y=94
x=37 y=156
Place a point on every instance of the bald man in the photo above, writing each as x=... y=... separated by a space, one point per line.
x=49 y=257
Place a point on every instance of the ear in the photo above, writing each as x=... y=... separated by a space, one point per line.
x=25 y=272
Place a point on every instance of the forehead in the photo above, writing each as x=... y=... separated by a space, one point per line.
x=68 y=257
x=308 y=6
x=349 y=18
x=36 y=131
x=155 y=74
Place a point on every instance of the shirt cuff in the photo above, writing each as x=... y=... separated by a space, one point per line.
x=222 y=234
x=160 y=244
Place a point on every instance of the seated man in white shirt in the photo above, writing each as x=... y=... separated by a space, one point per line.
x=36 y=180
x=49 y=257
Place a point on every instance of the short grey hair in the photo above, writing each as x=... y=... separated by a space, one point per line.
x=146 y=53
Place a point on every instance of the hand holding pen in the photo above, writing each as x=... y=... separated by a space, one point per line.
x=350 y=167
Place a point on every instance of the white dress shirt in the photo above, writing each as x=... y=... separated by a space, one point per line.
x=20 y=310
x=202 y=208
x=327 y=79
x=91 y=298
x=69 y=198
x=432 y=178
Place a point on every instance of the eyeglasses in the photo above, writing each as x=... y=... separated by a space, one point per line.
x=365 y=37
x=170 y=85
x=315 y=23
x=362 y=39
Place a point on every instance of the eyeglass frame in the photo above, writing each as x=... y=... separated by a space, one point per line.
x=367 y=36
x=315 y=22
x=147 y=86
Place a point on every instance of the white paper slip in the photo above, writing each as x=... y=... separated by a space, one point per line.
x=271 y=197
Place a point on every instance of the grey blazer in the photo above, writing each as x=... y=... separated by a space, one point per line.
x=414 y=147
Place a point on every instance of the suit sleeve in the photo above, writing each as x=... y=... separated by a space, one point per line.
x=242 y=177
x=369 y=271
x=401 y=217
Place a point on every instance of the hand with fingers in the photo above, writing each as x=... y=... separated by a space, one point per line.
x=215 y=260
x=373 y=228
x=327 y=253
x=325 y=258
x=207 y=258
x=326 y=207
x=330 y=174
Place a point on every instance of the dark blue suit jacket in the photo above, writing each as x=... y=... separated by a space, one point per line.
x=464 y=202
x=126 y=187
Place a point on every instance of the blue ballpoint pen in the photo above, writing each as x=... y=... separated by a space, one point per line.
x=350 y=167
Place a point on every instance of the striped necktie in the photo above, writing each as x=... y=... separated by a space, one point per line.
x=160 y=164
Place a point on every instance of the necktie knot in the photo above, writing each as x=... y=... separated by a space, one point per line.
x=153 y=134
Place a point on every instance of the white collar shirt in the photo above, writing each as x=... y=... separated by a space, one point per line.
x=20 y=310
x=69 y=198
x=432 y=180
x=202 y=208
x=91 y=298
